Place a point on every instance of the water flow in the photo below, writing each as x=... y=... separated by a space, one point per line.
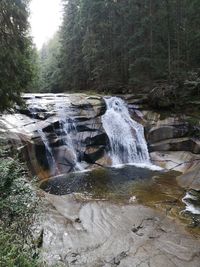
x=49 y=153
x=192 y=203
x=68 y=127
x=126 y=136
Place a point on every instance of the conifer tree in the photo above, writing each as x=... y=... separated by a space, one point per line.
x=16 y=51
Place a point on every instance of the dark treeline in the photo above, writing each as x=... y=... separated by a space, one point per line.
x=17 y=54
x=115 y=44
x=102 y=45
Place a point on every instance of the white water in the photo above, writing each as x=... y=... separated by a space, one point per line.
x=126 y=136
x=49 y=153
x=140 y=165
x=189 y=206
x=68 y=127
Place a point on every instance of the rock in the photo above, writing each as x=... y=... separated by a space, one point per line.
x=78 y=231
x=165 y=134
x=40 y=125
x=98 y=140
x=160 y=133
x=183 y=161
x=65 y=159
x=177 y=144
x=176 y=160
x=103 y=236
x=105 y=160
x=92 y=157
x=90 y=107
x=151 y=117
x=172 y=148
x=191 y=178
x=134 y=99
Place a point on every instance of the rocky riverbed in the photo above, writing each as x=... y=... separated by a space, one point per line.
x=96 y=215
x=169 y=138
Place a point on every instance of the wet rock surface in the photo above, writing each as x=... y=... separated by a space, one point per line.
x=120 y=217
x=116 y=220
x=98 y=233
x=58 y=121
x=168 y=135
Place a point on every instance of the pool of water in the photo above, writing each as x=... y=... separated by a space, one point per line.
x=129 y=184
x=118 y=184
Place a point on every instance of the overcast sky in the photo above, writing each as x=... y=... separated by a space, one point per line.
x=45 y=19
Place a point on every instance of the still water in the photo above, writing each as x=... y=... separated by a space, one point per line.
x=129 y=184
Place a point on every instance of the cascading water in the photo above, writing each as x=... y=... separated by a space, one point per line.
x=49 y=153
x=67 y=126
x=126 y=136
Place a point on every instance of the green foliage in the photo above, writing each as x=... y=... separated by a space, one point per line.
x=12 y=253
x=17 y=206
x=15 y=51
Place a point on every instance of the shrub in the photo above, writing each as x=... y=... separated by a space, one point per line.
x=17 y=208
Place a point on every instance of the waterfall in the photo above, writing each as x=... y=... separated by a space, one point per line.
x=68 y=128
x=126 y=136
x=49 y=153
x=48 y=150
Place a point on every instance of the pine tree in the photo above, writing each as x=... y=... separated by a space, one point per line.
x=15 y=51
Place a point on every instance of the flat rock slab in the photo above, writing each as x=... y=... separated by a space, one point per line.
x=176 y=160
x=99 y=233
x=191 y=178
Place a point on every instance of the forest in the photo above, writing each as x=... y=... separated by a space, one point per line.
x=119 y=46
x=103 y=46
